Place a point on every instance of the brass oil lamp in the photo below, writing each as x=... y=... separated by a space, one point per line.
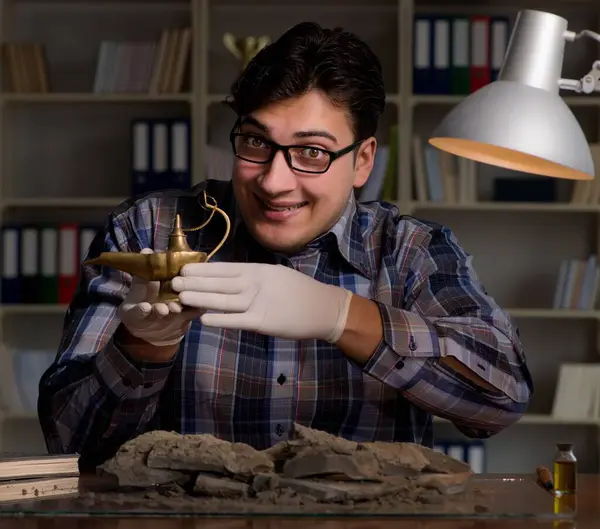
x=164 y=266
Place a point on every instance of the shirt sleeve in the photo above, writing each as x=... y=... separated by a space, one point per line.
x=448 y=314
x=94 y=397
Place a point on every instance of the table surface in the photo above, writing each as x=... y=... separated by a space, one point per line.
x=587 y=517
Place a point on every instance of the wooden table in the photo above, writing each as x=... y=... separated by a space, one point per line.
x=588 y=517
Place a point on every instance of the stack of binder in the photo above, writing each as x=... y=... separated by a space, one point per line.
x=457 y=55
x=41 y=262
x=161 y=155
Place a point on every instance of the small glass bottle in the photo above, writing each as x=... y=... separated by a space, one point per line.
x=565 y=470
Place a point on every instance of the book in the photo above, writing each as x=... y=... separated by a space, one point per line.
x=15 y=467
x=35 y=489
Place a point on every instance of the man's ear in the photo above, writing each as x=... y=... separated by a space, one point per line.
x=365 y=158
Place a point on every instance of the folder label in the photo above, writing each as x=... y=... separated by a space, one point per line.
x=480 y=44
x=29 y=252
x=10 y=267
x=460 y=43
x=442 y=41
x=422 y=44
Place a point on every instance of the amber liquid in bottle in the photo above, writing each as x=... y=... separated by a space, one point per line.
x=565 y=477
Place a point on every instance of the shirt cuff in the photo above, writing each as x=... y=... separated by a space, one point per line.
x=129 y=379
x=406 y=336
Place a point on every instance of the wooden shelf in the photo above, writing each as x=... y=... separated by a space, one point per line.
x=299 y=4
x=31 y=310
x=392 y=98
x=555 y=314
x=551 y=314
x=91 y=97
x=108 y=4
x=542 y=419
x=573 y=101
x=62 y=202
x=550 y=207
x=530 y=418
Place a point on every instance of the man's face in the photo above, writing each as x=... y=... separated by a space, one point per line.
x=284 y=208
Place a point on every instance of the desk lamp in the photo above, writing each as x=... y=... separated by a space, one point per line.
x=519 y=121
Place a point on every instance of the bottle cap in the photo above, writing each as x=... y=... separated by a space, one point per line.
x=565 y=447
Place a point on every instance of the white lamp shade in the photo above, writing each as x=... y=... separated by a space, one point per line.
x=520 y=121
x=519 y=127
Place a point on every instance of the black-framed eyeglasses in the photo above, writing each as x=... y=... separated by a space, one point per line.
x=253 y=147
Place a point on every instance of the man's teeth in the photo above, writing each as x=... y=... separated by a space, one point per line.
x=286 y=208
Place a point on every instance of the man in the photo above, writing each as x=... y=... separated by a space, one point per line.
x=347 y=318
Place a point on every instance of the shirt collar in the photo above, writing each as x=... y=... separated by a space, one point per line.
x=346 y=234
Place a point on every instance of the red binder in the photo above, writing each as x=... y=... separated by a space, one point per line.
x=480 y=52
x=68 y=262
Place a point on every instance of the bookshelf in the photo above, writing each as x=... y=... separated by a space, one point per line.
x=65 y=157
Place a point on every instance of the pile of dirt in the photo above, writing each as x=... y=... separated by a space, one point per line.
x=313 y=471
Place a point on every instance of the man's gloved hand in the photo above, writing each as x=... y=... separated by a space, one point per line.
x=159 y=324
x=269 y=299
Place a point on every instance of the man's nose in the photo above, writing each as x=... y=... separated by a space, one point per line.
x=278 y=177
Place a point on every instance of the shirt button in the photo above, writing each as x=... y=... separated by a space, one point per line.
x=399 y=364
x=412 y=344
x=281 y=379
x=279 y=430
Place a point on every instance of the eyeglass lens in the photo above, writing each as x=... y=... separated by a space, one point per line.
x=254 y=149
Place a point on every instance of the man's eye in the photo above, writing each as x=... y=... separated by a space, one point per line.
x=311 y=152
x=254 y=142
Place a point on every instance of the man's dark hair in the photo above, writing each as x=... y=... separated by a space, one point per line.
x=307 y=57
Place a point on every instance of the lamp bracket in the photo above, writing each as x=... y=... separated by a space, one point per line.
x=591 y=81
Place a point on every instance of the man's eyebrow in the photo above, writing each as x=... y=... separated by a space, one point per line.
x=249 y=120
x=315 y=134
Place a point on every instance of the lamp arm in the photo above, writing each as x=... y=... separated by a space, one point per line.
x=591 y=81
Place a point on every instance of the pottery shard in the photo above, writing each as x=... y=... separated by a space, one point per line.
x=305 y=440
x=128 y=465
x=265 y=482
x=410 y=458
x=442 y=464
x=326 y=491
x=219 y=487
x=395 y=458
x=311 y=437
x=365 y=460
x=446 y=484
x=310 y=463
x=206 y=453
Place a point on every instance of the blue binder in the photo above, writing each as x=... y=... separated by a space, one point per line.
x=11 y=264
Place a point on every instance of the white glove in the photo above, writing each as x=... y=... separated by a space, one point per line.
x=269 y=299
x=159 y=324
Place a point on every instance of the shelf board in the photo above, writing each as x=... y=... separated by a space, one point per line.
x=302 y=5
x=101 y=202
x=61 y=202
x=215 y=98
x=123 y=5
x=91 y=97
x=441 y=99
x=543 y=419
x=18 y=416
x=33 y=309
x=391 y=97
x=530 y=418
x=552 y=207
x=557 y=314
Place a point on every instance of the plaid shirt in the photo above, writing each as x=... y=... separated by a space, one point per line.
x=247 y=387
